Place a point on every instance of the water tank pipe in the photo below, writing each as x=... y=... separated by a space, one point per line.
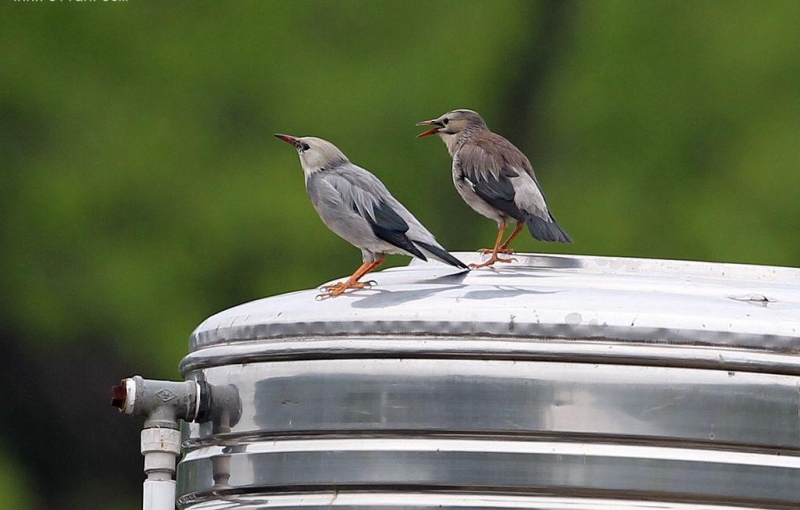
x=164 y=404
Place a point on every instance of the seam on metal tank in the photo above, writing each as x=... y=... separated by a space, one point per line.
x=775 y=343
x=519 y=339
x=187 y=368
x=714 y=358
x=684 y=337
x=231 y=440
x=572 y=492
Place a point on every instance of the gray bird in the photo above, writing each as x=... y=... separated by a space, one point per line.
x=357 y=207
x=495 y=179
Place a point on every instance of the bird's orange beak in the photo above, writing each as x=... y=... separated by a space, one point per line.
x=429 y=132
x=289 y=139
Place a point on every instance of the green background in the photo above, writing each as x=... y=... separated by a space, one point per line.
x=141 y=189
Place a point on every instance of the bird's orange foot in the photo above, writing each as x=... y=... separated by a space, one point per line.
x=337 y=289
x=494 y=258
x=502 y=249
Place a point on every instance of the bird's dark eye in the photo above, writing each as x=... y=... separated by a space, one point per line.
x=304 y=147
x=445 y=121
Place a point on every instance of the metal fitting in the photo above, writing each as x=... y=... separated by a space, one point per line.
x=162 y=403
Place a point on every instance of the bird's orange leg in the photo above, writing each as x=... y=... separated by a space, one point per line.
x=504 y=247
x=494 y=258
x=487 y=251
x=340 y=288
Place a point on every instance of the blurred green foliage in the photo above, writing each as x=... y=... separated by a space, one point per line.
x=142 y=190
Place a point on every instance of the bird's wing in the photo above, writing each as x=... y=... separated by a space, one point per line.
x=366 y=195
x=502 y=176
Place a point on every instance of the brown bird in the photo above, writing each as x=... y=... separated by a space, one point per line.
x=495 y=179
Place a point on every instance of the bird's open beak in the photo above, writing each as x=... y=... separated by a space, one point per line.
x=289 y=139
x=433 y=122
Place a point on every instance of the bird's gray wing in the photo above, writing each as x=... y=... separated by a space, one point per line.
x=490 y=177
x=504 y=178
x=366 y=195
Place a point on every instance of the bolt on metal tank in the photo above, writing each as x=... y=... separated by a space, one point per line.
x=557 y=382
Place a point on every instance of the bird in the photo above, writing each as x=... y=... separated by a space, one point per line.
x=356 y=206
x=495 y=179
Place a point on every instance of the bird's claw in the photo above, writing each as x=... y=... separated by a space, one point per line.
x=337 y=289
x=491 y=261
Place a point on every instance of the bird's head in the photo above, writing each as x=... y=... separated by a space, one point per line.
x=453 y=123
x=315 y=154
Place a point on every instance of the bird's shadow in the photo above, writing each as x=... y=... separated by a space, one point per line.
x=503 y=291
x=382 y=298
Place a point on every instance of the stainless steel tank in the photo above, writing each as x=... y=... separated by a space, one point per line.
x=554 y=382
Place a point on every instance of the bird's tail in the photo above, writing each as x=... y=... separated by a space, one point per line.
x=440 y=254
x=546 y=230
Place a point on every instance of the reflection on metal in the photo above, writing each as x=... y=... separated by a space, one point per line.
x=555 y=382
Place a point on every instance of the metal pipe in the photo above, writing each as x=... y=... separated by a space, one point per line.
x=164 y=404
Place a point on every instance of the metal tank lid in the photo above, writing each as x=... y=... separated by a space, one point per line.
x=539 y=296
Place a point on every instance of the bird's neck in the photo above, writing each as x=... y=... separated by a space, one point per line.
x=310 y=170
x=456 y=141
x=453 y=142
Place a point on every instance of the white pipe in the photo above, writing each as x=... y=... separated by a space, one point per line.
x=159 y=495
x=160 y=448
